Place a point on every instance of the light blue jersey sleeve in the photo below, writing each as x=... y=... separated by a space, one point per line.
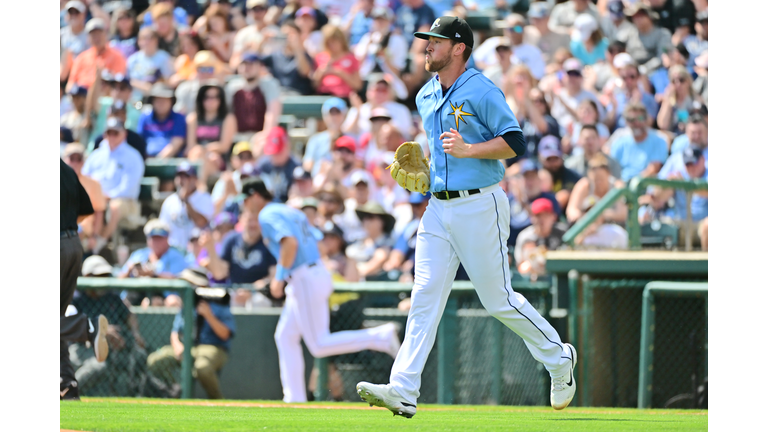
x=279 y=221
x=495 y=113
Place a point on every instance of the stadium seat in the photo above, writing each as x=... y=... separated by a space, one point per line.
x=164 y=169
x=302 y=107
x=659 y=234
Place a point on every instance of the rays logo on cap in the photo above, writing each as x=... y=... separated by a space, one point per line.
x=458 y=35
x=435 y=24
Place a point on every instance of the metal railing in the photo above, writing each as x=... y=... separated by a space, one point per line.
x=632 y=192
x=648 y=330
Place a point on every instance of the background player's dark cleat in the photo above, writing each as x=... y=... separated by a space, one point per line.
x=564 y=387
x=386 y=397
x=98 y=338
x=69 y=392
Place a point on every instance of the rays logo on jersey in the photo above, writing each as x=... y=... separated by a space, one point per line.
x=246 y=259
x=435 y=24
x=458 y=113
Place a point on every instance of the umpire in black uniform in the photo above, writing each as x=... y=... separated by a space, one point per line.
x=75 y=205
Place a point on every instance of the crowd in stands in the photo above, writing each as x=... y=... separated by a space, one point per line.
x=604 y=91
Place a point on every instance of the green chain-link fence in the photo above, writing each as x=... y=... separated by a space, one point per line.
x=606 y=322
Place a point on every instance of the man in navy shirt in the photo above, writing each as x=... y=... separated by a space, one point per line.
x=163 y=129
x=214 y=328
x=244 y=258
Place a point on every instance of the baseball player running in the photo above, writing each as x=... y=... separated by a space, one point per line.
x=470 y=127
x=306 y=284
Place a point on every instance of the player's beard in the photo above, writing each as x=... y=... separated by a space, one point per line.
x=435 y=65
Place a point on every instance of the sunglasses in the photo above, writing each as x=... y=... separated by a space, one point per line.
x=540 y=100
x=344 y=150
x=124 y=17
x=205 y=69
x=636 y=119
x=259 y=9
x=516 y=29
x=574 y=73
x=245 y=156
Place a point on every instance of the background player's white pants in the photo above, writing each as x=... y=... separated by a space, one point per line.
x=306 y=316
x=472 y=230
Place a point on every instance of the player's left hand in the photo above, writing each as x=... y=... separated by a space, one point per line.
x=277 y=288
x=454 y=145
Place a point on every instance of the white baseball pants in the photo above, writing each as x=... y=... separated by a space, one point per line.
x=472 y=230
x=306 y=316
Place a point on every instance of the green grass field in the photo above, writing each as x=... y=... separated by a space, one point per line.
x=173 y=415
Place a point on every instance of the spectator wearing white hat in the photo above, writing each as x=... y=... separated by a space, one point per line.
x=100 y=54
x=567 y=96
x=318 y=149
x=73 y=36
x=587 y=41
x=539 y=34
x=564 y=14
x=158 y=259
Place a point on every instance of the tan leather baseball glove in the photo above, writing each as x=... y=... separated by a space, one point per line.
x=410 y=168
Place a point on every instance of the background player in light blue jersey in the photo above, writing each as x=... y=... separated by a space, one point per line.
x=470 y=128
x=306 y=284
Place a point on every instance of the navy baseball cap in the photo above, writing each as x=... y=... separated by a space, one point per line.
x=186 y=168
x=449 y=27
x=253 y=186
x=418 y=198
x=250 y=57
x=691 y=155
x=78 y=90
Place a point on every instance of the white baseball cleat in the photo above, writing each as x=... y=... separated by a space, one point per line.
x=100 y=346
x=564 y=387
x=383 y=395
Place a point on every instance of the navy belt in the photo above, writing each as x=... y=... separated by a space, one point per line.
x=446 y=195
x=68 y=233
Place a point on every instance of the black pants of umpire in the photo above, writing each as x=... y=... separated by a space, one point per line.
x=72 y=328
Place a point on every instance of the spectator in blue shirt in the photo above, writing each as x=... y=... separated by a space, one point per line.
x=157 y=260
x=639 y=152
x=631 y=91
x=180 y=16
x=163 y=129
x=694 y=168
x=149 y=65
x=587 y=41
x=214 y=327
x=695 y=135
x=358 y=21
x=118 y=168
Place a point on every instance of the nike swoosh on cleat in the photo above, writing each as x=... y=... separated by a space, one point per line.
x=407 y=404
x=570 y=383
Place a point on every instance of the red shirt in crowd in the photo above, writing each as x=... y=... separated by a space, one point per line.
x=333 y=84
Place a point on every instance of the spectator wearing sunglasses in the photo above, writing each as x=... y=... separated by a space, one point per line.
x=630 y=89
x=118 y=168
x=641 y=152
x=119 y=111
x=564 y=14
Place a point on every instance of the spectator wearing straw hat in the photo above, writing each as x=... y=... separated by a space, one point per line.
x=214 y=331
x=100 y=54
x=163 y=129
x=187 y=208
x=371 y=251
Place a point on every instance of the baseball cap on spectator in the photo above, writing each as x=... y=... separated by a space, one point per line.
x=114 y=123
x=75 y=4
x=255 y=186
x=332 y=103
x=691 y=155
x=417 y=198
x=572 y=65
x=382 y=12
x=681 y=49
x=541 y=205
x=74 y=148
x=240 y=147
x=585 y=25
x=94 y=24
x=250 y=4
x=223 y=218
x=449 y=27
x=623 y=60
x=247 y=170
x=117 y=105
x=616 y=9
x=96 y=265
x=66 y=134
x=277 y=140
x=359 y=176
x=299 y=173
x=538 y=10
x=528 y=165
x=308 y=202
x=380 y=113
x=156 y=228
x=549 y=146
x=306 y=10
x=331 y=229
x=186 y=168
x=345 y=141
x=250 y=57
x=78 y=90
x=504 y=43
x=683 y=21
x=698 y=108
